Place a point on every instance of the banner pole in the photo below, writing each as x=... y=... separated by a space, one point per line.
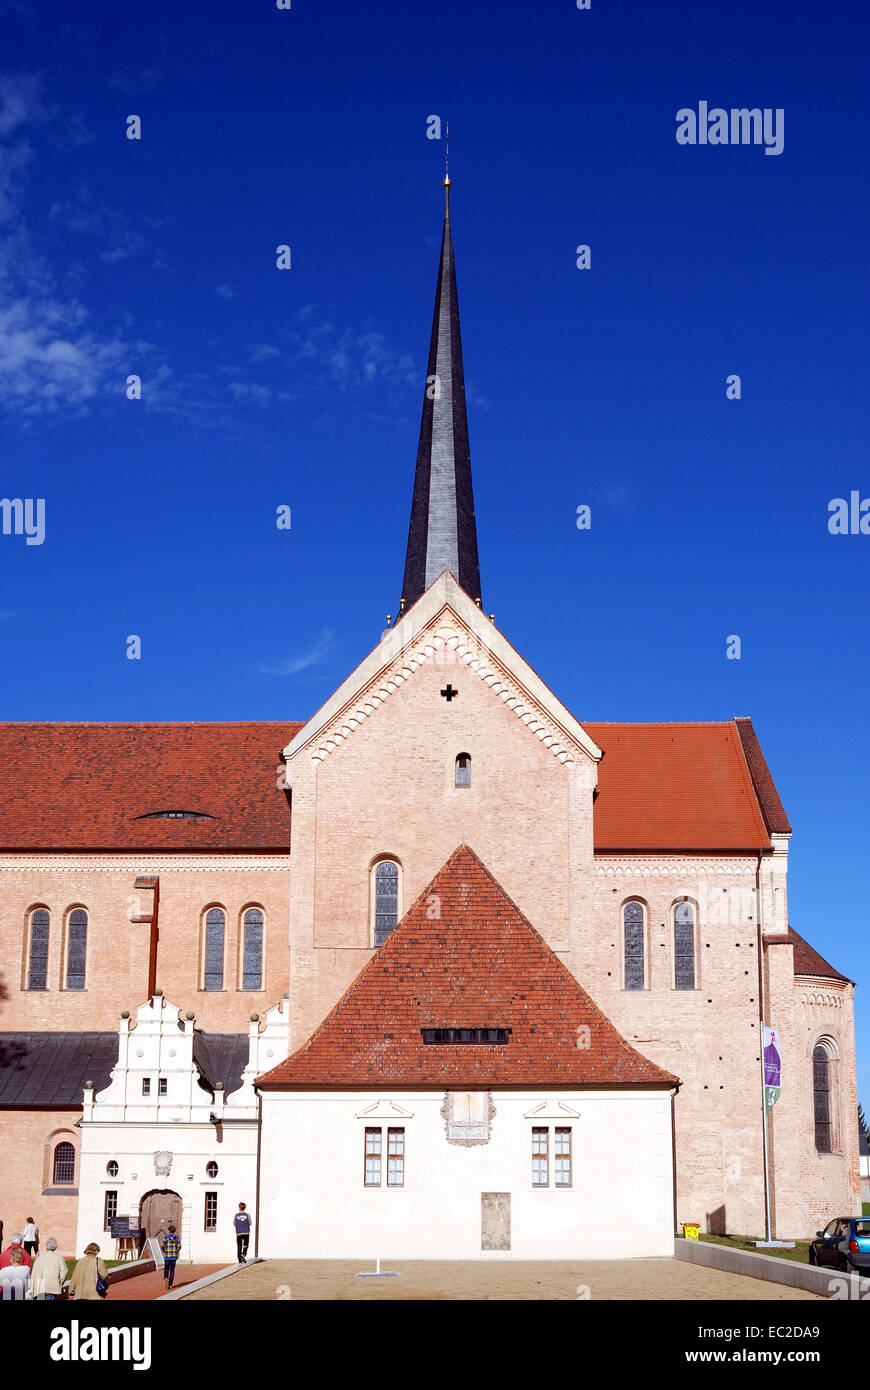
x=768 y=1234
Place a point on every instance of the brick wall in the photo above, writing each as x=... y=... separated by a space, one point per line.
x=27 y=1142
x=118 y=948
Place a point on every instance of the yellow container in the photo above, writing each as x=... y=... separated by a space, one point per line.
x=691 y=1232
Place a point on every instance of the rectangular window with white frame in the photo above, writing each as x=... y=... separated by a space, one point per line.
x=395 y=1155
x=211 y=1204
x=373 y=1157
x=562 y=1151
x=540 y=1156
x=110 y=1210
x=562 y=1155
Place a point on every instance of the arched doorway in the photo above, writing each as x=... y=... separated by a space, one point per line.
x=159 y=1209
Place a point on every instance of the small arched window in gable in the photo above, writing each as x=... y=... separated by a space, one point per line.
x=684 y=946
x=386 y=899
x=822 y=1099
x=632 y=926
x=76 y=948
x=213 y=966
x=37 y=956
x=64 y=1168
x=463 y=770
x=252 y=959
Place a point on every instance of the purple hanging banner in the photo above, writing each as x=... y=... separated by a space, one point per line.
x=772 y=1066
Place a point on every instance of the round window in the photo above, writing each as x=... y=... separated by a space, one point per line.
x=112 y=1168
x=211 y=1169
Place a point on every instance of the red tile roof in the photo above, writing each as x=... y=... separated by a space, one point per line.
x=689 y=787
x=807 y=961
x=675 y=787
x=771 y=806
x=85 y=786
x=480 y=964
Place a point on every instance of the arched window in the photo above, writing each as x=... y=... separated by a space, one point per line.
x=632 y=927
x=76 y=948
x=37 y=956
x=213 y=963
x=822 y=1111
x=112 y=1168
x=64 y=1167
x=252 y=958
x=386 y=899
x=211 y=1169
x=684 y=946
x=463 y=770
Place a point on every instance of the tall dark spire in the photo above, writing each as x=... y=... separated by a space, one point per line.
x=443 y=534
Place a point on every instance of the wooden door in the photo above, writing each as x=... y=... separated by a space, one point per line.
x=159 y=1211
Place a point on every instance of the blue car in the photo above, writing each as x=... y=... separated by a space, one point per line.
x=843 y=1244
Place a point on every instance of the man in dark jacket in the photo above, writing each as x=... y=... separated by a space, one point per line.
x=242 y=1223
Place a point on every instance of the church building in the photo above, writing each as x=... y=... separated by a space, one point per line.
x=505 y=1003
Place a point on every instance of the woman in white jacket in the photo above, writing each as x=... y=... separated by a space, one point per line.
x=30 y=1237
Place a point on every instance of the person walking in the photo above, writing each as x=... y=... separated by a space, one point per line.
x=15 y=1244
x=242 y=1223
x=30 y=1237
x=88 y=1274
x=15 y=1278
x=170 y=1248
x=48 y=1273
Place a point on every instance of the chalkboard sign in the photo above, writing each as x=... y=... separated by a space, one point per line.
x=125 y=1227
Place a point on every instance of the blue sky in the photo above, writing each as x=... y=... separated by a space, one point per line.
x=603 y=387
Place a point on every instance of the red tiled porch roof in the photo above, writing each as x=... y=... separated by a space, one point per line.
x=477 y=964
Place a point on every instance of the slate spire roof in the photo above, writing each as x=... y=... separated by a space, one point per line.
x=443 y=534
x=464 y=956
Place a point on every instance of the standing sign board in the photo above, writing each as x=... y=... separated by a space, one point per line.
x=125 y=1230
x=125 y=1227
x=152 y=1245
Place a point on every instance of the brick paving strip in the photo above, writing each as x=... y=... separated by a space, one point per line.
x=144 y=1288
x=490 y=1279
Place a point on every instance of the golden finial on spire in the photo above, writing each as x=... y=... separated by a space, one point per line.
x=447 y=166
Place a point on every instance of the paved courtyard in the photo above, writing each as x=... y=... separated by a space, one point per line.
x=479 y=1279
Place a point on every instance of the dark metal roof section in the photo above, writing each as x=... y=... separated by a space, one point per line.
x=443 y=533
x=49 y=1070
x=772 y=809
x=220 y=1057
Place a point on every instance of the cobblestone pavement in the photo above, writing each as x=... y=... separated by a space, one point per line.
x=479 y=1279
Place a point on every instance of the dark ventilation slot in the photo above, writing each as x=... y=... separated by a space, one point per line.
x=464 y=1036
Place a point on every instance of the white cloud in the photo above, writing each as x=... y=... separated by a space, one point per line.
x=225 y=291
x=249 y=391
x=261 y=352
x=317 y=651
x=48 y=359
x=20 y=101
x=143 y=81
